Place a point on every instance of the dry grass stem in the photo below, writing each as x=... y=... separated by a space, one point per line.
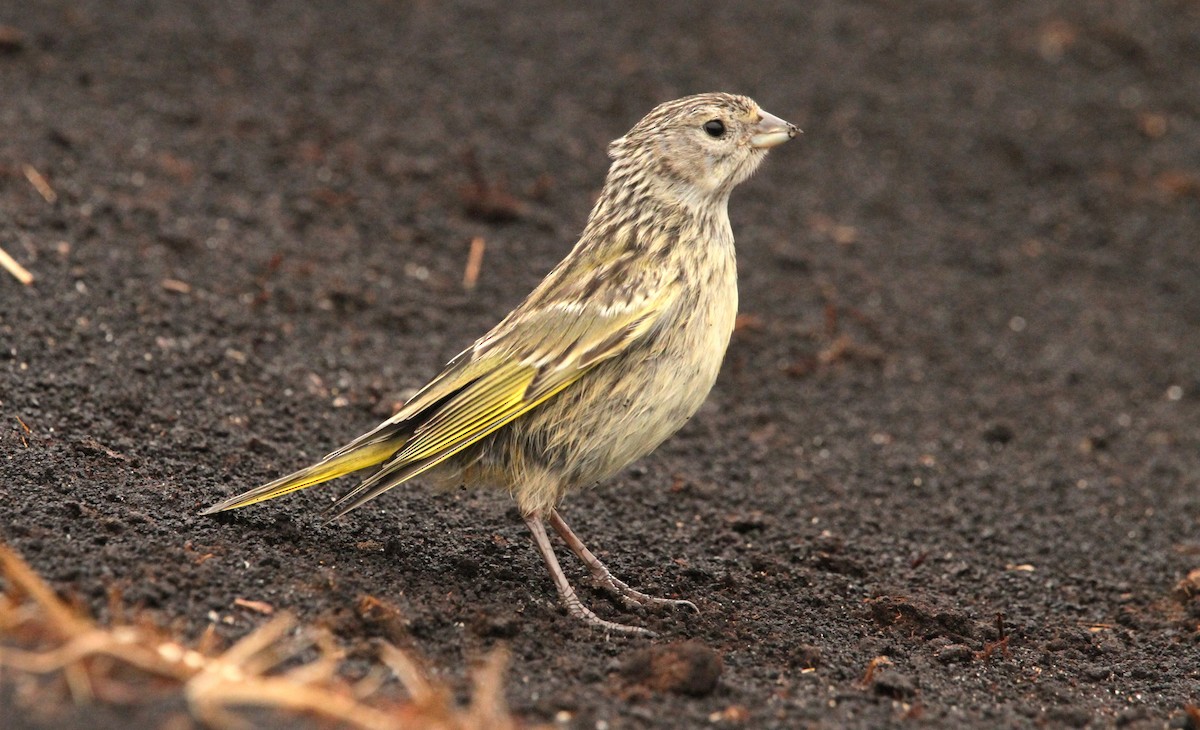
x=18 y=271
x=40 y=183
x=272 y=667
x=474 y=262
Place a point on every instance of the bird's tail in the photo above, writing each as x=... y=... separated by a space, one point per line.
x=343 y=461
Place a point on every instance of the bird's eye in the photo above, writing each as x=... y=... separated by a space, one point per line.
x=715 y=128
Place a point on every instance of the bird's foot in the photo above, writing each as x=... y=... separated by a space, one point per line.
x=633 y=598
x=630 y=597
x=576 y=608
x=566 y=593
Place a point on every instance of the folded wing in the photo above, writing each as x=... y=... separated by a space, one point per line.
x=521 y=364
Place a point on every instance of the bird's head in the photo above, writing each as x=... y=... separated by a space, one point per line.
x=699 y=147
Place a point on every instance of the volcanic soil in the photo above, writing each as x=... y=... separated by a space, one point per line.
x=958 y=426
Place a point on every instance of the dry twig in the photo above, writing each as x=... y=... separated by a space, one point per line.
x=872 y=669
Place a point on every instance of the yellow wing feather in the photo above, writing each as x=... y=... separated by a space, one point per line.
x=518 y=366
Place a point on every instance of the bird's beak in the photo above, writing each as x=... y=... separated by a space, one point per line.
x=771 y=131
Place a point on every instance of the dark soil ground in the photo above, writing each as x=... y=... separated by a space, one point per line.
x=967 y=384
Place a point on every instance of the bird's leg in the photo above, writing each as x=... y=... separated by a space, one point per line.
x=566 y=593
x=630 y=596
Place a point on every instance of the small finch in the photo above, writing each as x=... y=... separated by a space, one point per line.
x=611 y=354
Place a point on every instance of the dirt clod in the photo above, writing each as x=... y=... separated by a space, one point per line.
x=12 y=40
x=890 y=683
x=955 y=654
x=1188 y=588
x=687 y=668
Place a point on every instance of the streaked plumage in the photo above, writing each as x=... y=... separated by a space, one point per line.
x=607 y=357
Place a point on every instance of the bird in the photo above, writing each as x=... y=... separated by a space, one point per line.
x=605 y=359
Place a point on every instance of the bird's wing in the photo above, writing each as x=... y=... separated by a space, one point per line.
x=523 y=362
x=505 y=375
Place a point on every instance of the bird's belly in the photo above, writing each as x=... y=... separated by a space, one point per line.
x=625 y=408
x=637 y=422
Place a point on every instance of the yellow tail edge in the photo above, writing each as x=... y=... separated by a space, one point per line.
x=359 y=458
